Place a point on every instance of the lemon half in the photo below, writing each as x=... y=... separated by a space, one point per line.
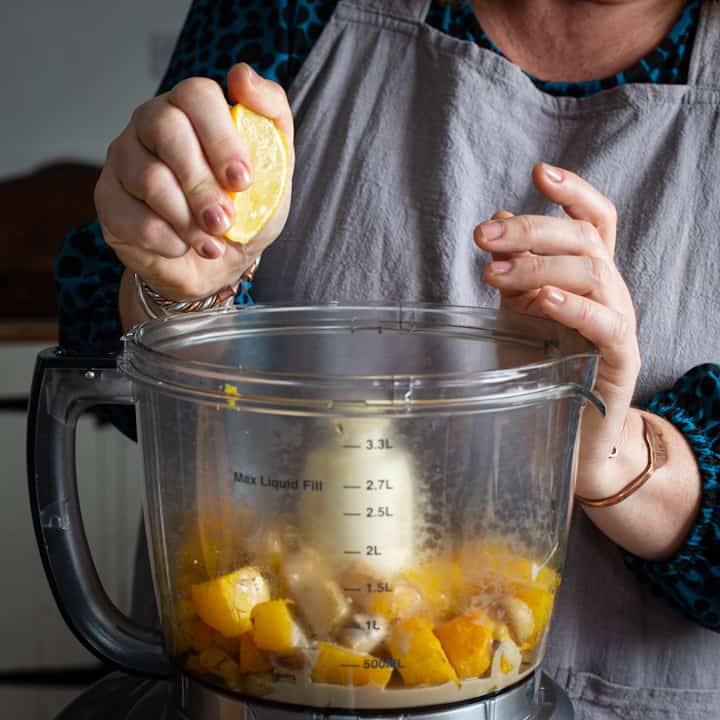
x=269 y=156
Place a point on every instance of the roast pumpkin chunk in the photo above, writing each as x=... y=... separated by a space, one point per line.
x=468 y=642
x=274 y=629
x=339 y=666
x=226 y=602
x=420 y=657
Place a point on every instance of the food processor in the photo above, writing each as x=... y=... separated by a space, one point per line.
x=351 y=511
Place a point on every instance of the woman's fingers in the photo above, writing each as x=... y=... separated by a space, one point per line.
x=509 y=300
x=540 y=234
x=204 y=104
x=584 y=275
x=168 y=133
x=149 y=245
x=150 y=181
x=499 y=255
x=611 y=331
x=531 y=251
x=579 y=199
x=131 y=218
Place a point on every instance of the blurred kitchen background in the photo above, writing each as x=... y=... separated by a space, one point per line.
x=72 y=72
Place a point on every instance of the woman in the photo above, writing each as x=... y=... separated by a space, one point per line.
x=416 y=134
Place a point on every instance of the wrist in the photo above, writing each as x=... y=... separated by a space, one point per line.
x=608 y=477
x=155 y=304
x=652 y=514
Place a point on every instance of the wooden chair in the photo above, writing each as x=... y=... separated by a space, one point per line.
x=36 y=211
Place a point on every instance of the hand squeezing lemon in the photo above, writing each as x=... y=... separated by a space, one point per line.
x=269 y=156
x=190 y=173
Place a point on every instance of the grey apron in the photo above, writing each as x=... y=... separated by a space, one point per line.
x=406 y=139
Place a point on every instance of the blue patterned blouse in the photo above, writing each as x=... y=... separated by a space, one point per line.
x=275 y=37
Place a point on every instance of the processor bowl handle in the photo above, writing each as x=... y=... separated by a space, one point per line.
x=63 y=388
x=592 y=397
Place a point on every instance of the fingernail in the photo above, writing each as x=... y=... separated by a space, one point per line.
x=238 y=175
x=252 y=75
x=553 y=174
x=492 y=230
x=555 y=297
x=215 y=220
x=211 y=249
x=500 y=267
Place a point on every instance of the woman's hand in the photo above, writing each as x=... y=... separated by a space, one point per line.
x=162 y=198
x=563 y=268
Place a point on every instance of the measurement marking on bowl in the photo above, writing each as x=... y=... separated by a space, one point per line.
x=352 y=447
x=347 y=514
x=382 y=663
x=379 y=444
x=381 y=484
x=352 y=552
x=352 y=589
x=352 y=487
x=382 y=511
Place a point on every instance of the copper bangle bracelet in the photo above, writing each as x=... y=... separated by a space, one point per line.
x=635 y=484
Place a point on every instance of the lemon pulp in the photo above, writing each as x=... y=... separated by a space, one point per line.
x=269 y=156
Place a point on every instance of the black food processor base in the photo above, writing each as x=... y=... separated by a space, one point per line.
x=122 y=697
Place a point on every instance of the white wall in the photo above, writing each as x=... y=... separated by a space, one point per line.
x=74 y=70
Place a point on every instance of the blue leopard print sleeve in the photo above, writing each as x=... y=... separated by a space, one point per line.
x=690 y=581
x=87 y=274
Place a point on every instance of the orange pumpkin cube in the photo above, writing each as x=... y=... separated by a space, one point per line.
x=421 y=658
x=339 y=666
x=274 y=628
x=467 y=641
x=225 y=603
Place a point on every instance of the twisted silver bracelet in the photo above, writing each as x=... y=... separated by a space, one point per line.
x=220 y=299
